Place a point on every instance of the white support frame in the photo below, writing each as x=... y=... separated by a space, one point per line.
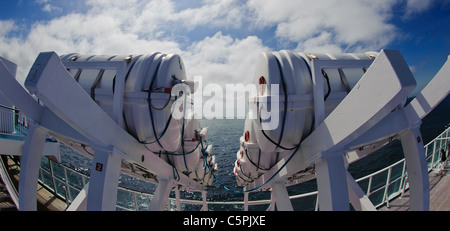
x=419 y=185
x=71 y=114
x=80 y=202
x=161 y=196
x=281 y=197
x=324 y=147
x=29 y=168
x=389 y=74
x=359 y=200
x=104 y=180
x=119 y=87
x=332 y=183
x=317 y=78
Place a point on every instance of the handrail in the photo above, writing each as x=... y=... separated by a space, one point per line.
x=12 y=122
x=64 y=187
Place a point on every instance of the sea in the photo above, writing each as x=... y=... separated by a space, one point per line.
x=224 y=136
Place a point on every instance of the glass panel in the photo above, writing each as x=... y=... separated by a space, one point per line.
x=379 y=180
x=125 y=199
x=75 y=180
x=394 y=188
x=396 y=172
x=364 y=184
x=47 y=179
x=143 y=202
x=58 y=171
x=60 y=188
x=73 y=193
x=377 y=197
x=44 y=164
x=304 y=203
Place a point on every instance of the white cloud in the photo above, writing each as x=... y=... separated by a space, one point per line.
x=122 y=27
x=345 y=23
x=6 y=27
x=416 y=6
x=48 y=7
x=222 y=59
x=215 y=13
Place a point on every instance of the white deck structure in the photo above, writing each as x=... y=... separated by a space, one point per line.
x=371 y=115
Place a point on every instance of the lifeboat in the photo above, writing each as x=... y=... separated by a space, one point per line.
x=148 y=103
x=286 y=92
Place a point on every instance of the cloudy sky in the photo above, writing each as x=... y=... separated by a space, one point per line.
x=221 y=39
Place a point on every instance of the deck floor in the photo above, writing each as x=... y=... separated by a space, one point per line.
x=439 y=195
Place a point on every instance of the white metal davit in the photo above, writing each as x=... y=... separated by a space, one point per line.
x=116 y=110
x=313 y=115
x=332 y=110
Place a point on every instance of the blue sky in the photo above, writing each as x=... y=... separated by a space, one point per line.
x=221 y=40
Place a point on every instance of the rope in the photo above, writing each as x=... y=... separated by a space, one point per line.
x=253 y=189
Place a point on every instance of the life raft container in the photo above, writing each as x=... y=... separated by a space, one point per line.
x=147 y=102
x=290 y=75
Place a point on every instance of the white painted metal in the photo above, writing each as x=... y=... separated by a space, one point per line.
x=81 y=119
x=360 y=201
x=80 y=202
x=161 y=197
x=177 y=199
x=204 y=202
x=350 y=128
x=60 y=92
x=299 y=78
x=105 y=171
x=416 y=164
x=281 y=197
x=14 y=147
x=29 y=168
x=391 y=194
x=352 y=117
x=332 y=183
x=41 y=115
x=357 y=122
x=435 y=91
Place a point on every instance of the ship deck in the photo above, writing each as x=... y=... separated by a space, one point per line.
x=439 y=195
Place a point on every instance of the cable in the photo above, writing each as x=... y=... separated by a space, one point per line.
x=325 y=75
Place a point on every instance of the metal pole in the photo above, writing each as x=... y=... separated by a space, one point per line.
x=105 y=172
x=281 y=196
x=29 y=168
x=332 y=183
x=417 y=169
x=161 y=195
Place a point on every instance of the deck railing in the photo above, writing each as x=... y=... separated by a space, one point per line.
x=381 y=186
x=12 y=122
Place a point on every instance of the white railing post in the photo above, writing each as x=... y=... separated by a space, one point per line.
x=246 y=201
x=136 y=207
x=386 y=187
x=177 y=198
x=432 y=155
x=204 y=203
x=403 y=179
x=161 y=195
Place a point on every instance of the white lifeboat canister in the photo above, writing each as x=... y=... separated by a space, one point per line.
x=147 y=114
x=290 y=75
x=186 y=158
